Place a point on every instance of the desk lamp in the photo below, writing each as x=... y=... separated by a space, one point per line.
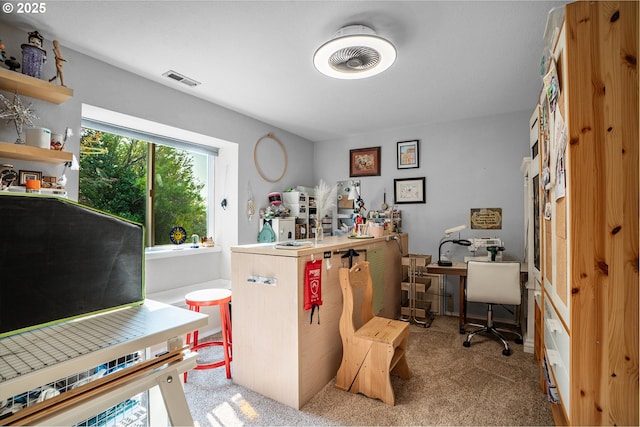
x=445 y=239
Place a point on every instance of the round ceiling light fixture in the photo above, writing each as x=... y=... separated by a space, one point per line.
x=354 y=52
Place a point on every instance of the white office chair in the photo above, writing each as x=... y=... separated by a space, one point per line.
x=494 y=283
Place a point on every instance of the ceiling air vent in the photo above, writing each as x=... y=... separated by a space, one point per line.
x=180 y=78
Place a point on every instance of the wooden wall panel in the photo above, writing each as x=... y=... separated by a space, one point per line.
x=603 y=172
x=585 y=195
x=618 y=21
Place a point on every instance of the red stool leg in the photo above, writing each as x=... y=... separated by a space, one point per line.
x=226 y=342
x=229 y=329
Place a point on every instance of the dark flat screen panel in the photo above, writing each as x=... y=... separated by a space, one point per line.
x=59 y=260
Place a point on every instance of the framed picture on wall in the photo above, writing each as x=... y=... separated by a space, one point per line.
x=25 y=175
x=364 y=162
x=409 y=190
x=409 y=154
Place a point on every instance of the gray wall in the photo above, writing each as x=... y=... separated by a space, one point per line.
x=100 y=84
x=467 y=164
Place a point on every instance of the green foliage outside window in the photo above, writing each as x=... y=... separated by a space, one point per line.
x=113 y=178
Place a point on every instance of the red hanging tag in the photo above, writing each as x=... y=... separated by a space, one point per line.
x=313 y=287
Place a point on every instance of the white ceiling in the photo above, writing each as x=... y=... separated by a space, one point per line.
x=456 y=59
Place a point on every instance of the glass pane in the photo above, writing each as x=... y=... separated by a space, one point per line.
x=536 y=221
x=180 y=193
x=113 y=172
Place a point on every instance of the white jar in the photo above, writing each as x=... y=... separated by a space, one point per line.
x=39 y=137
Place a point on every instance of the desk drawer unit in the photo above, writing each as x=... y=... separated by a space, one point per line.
x=557 y=346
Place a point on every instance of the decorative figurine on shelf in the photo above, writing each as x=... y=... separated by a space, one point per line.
x=207 y=242
x=7 y=176
x=178 y=235
x=58 y=141
x=12 y=63
x=59 y=61
x=35 y=39
x=19 y=114
x=61 y=181
x=33 y=55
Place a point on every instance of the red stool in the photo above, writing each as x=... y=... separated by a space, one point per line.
x=221 y=298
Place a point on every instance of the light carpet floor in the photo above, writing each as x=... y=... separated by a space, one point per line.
x=450 y=385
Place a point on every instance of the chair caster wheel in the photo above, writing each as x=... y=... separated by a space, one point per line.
x=518 y=341
x=506 y=352
x=462 y=331
x=466 y=344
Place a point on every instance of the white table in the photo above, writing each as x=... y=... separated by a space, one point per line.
x=45 y=355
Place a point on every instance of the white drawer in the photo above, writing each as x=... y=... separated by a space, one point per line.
x=557 y=345
x=299 y=210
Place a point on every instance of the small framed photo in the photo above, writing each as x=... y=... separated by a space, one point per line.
x=409 y=154
x=364 y=162
x=410 y=190
x=25 y=175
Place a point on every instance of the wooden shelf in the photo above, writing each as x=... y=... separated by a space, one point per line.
x=14 y=81
x=25 y=152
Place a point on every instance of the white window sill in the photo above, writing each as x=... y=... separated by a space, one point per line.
x=171 y=251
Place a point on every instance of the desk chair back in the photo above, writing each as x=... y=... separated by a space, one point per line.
x=493 y=282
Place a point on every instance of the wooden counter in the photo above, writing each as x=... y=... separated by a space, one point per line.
x=277 y=352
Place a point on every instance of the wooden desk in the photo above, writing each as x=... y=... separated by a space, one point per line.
x=460 y=269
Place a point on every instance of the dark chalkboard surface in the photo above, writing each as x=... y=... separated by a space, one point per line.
x=60 y=260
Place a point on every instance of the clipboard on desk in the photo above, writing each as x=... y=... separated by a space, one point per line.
x=294 y=245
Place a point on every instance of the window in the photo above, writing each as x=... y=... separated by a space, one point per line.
x=116 y=169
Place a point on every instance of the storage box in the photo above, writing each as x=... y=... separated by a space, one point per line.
x=282 y=227
x=39 y=137
x=295 y=197
x=299 y=210
x=301 y=231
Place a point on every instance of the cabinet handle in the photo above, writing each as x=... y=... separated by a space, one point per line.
x=553 y=356
x=553 y=325
x=263 y=280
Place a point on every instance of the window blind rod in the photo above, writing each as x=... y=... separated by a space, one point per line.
x=149 y=137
